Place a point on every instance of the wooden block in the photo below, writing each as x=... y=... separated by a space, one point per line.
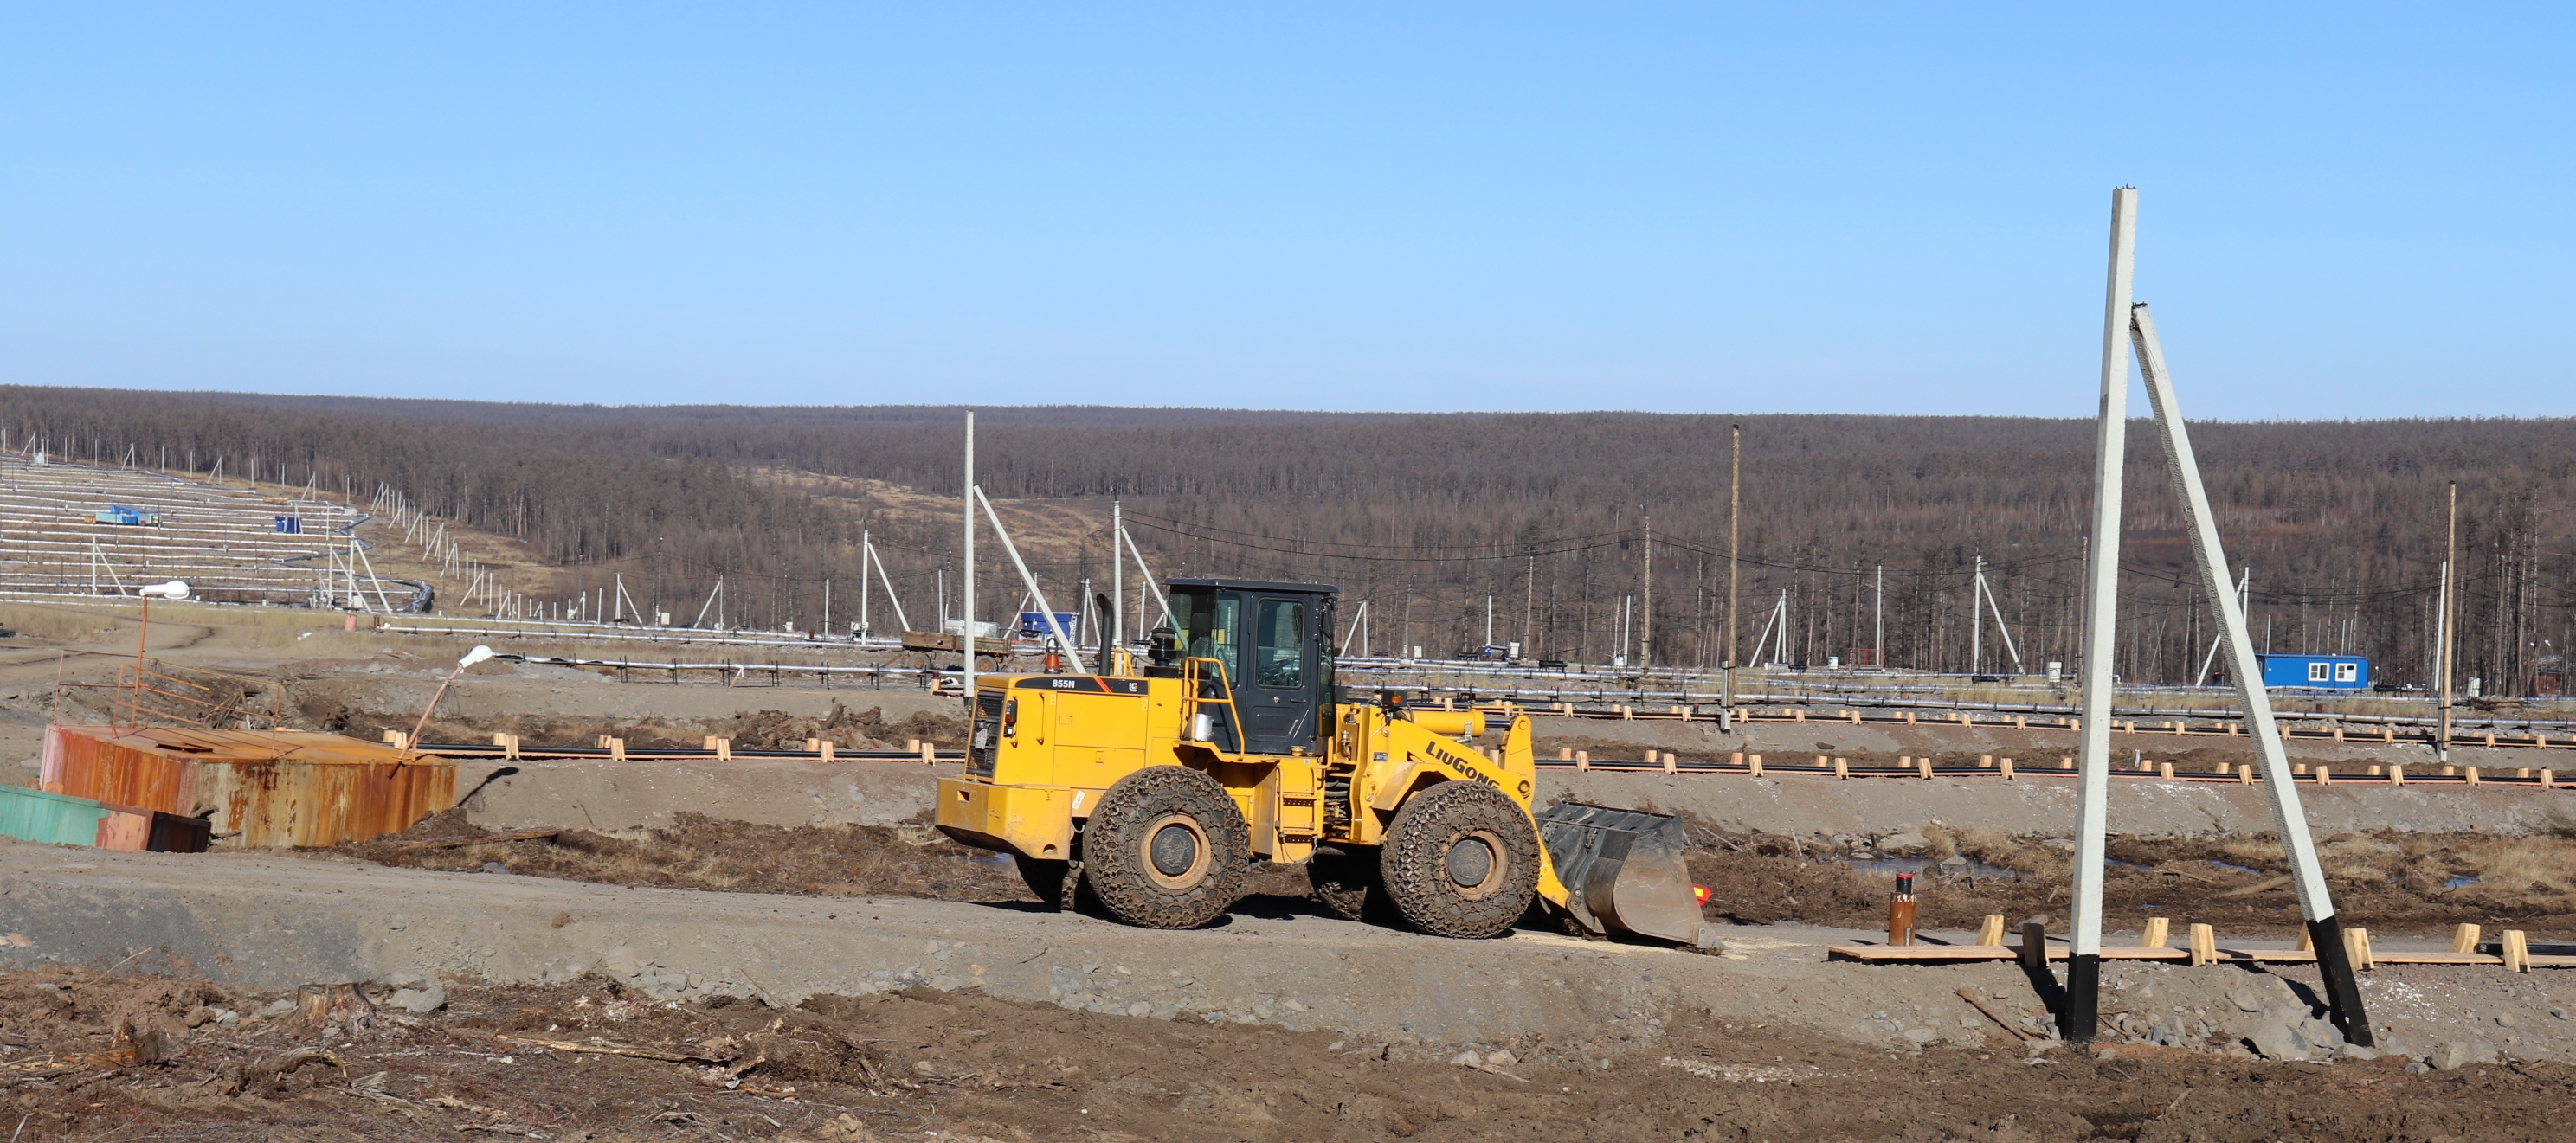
x=2548 y=778
x=1926 y=766
x=2034 y=946
x=1671 y=765
x=1990 y=932
x=1565 y=754
x=1854 y=715
x=2008 y=769
x=1909 y=718
x=2204 y=944
x=2464 y=938
x=2356 y=949
x=2299 y=768
x=2450 y=771
x=617 y=749
x=1842 y=769
x=2524 y=772
x=2517 y=951
x=1753 y=766
x=2307 y=943
x=1985 y=761
x=2164 y=770
x=2158 y=929
x=828 y=744
x=2338 y=732
x=2324 y=774
x=2245 y=774
x=2064 y=763
x=393 y=738
x=1582 y=759
x=2471 y=773
x=2396 y=775
x=2490 y=738
x=1798 y=715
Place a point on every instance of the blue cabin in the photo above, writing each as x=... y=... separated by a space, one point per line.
x=2316 y=672
x=1033 y=625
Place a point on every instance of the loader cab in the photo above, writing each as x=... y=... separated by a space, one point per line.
x=1275 y=641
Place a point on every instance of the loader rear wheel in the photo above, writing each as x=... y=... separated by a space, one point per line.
x=1460 y=860
x=1166 y=849
x=1346 y=881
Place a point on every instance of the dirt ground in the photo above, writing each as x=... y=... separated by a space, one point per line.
x=92 y=1056
x=2394 y=884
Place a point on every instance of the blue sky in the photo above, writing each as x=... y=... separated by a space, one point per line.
x=2346 y=211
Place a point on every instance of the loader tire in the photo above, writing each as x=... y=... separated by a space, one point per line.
x=1043 y=877
x=1460 y=860
x=1346 y=882
x=1166 y=849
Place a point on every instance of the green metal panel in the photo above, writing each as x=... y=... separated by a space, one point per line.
x=30 y=814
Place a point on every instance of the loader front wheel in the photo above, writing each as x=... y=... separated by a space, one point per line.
x=1166 y=849
x=1460 y=860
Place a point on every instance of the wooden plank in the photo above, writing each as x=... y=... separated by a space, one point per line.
x=1946 y=954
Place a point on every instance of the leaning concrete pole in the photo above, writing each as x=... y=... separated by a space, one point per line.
x=2334 y=966
x=2076 y=1017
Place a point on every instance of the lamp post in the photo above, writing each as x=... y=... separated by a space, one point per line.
x=477 y=655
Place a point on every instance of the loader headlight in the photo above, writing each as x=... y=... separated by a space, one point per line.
x=1010 y=717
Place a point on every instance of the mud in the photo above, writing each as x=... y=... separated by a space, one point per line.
x=961 y=1066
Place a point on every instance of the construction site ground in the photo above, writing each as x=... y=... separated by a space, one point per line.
x=787 y=923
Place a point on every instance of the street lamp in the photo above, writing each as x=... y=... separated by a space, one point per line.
x=477 y=655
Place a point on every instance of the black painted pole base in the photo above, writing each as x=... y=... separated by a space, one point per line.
x=2081 y=1014
x=2343 y=990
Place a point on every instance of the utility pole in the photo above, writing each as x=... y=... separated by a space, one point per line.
x=2450 y=616
x=1529 y=608
x=1878 y=623
x=1646 y=643
x=966 y=630
x=1734 y=516
x=1115 y=631
x=1977 y=619
x=1489 y=623
x=2076 y=1017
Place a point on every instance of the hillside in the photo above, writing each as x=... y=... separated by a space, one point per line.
x=1427 y=515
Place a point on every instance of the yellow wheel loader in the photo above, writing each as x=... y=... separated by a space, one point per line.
x=1152 y=789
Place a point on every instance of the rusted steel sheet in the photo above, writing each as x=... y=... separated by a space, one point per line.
x=257 y=787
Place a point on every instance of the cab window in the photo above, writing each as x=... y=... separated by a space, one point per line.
x=1281 y=644
x=1213 y=627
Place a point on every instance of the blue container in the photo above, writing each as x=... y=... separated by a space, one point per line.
x=30 y=814
x=2315 y=672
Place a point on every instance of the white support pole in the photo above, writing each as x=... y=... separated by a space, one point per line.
x=2289 y=820
x=1997 y=608
x=888 y=581
x=2243 y=585
x=1977 y=618
x=711 y=602
x=1114 y=630
x=1037 y=593
x=966 y=630
x=2077 y=1017
x=1160 y=600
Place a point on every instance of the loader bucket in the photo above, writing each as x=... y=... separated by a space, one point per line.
x=1622 y=870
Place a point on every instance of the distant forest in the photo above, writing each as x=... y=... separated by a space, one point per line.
x=1426 y=517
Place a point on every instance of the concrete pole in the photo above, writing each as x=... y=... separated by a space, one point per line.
x=1878 y=622
x=2450 y=618
x=2289 y=821
x=864 y=547
x=1646 y=643
x=1734 y=533
x=2077 y=1017
x=1117 y=629
x=1055 y=627
x=1977 y=618
x=967 y=629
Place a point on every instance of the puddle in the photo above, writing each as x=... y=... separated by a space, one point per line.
x=2460 y=881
